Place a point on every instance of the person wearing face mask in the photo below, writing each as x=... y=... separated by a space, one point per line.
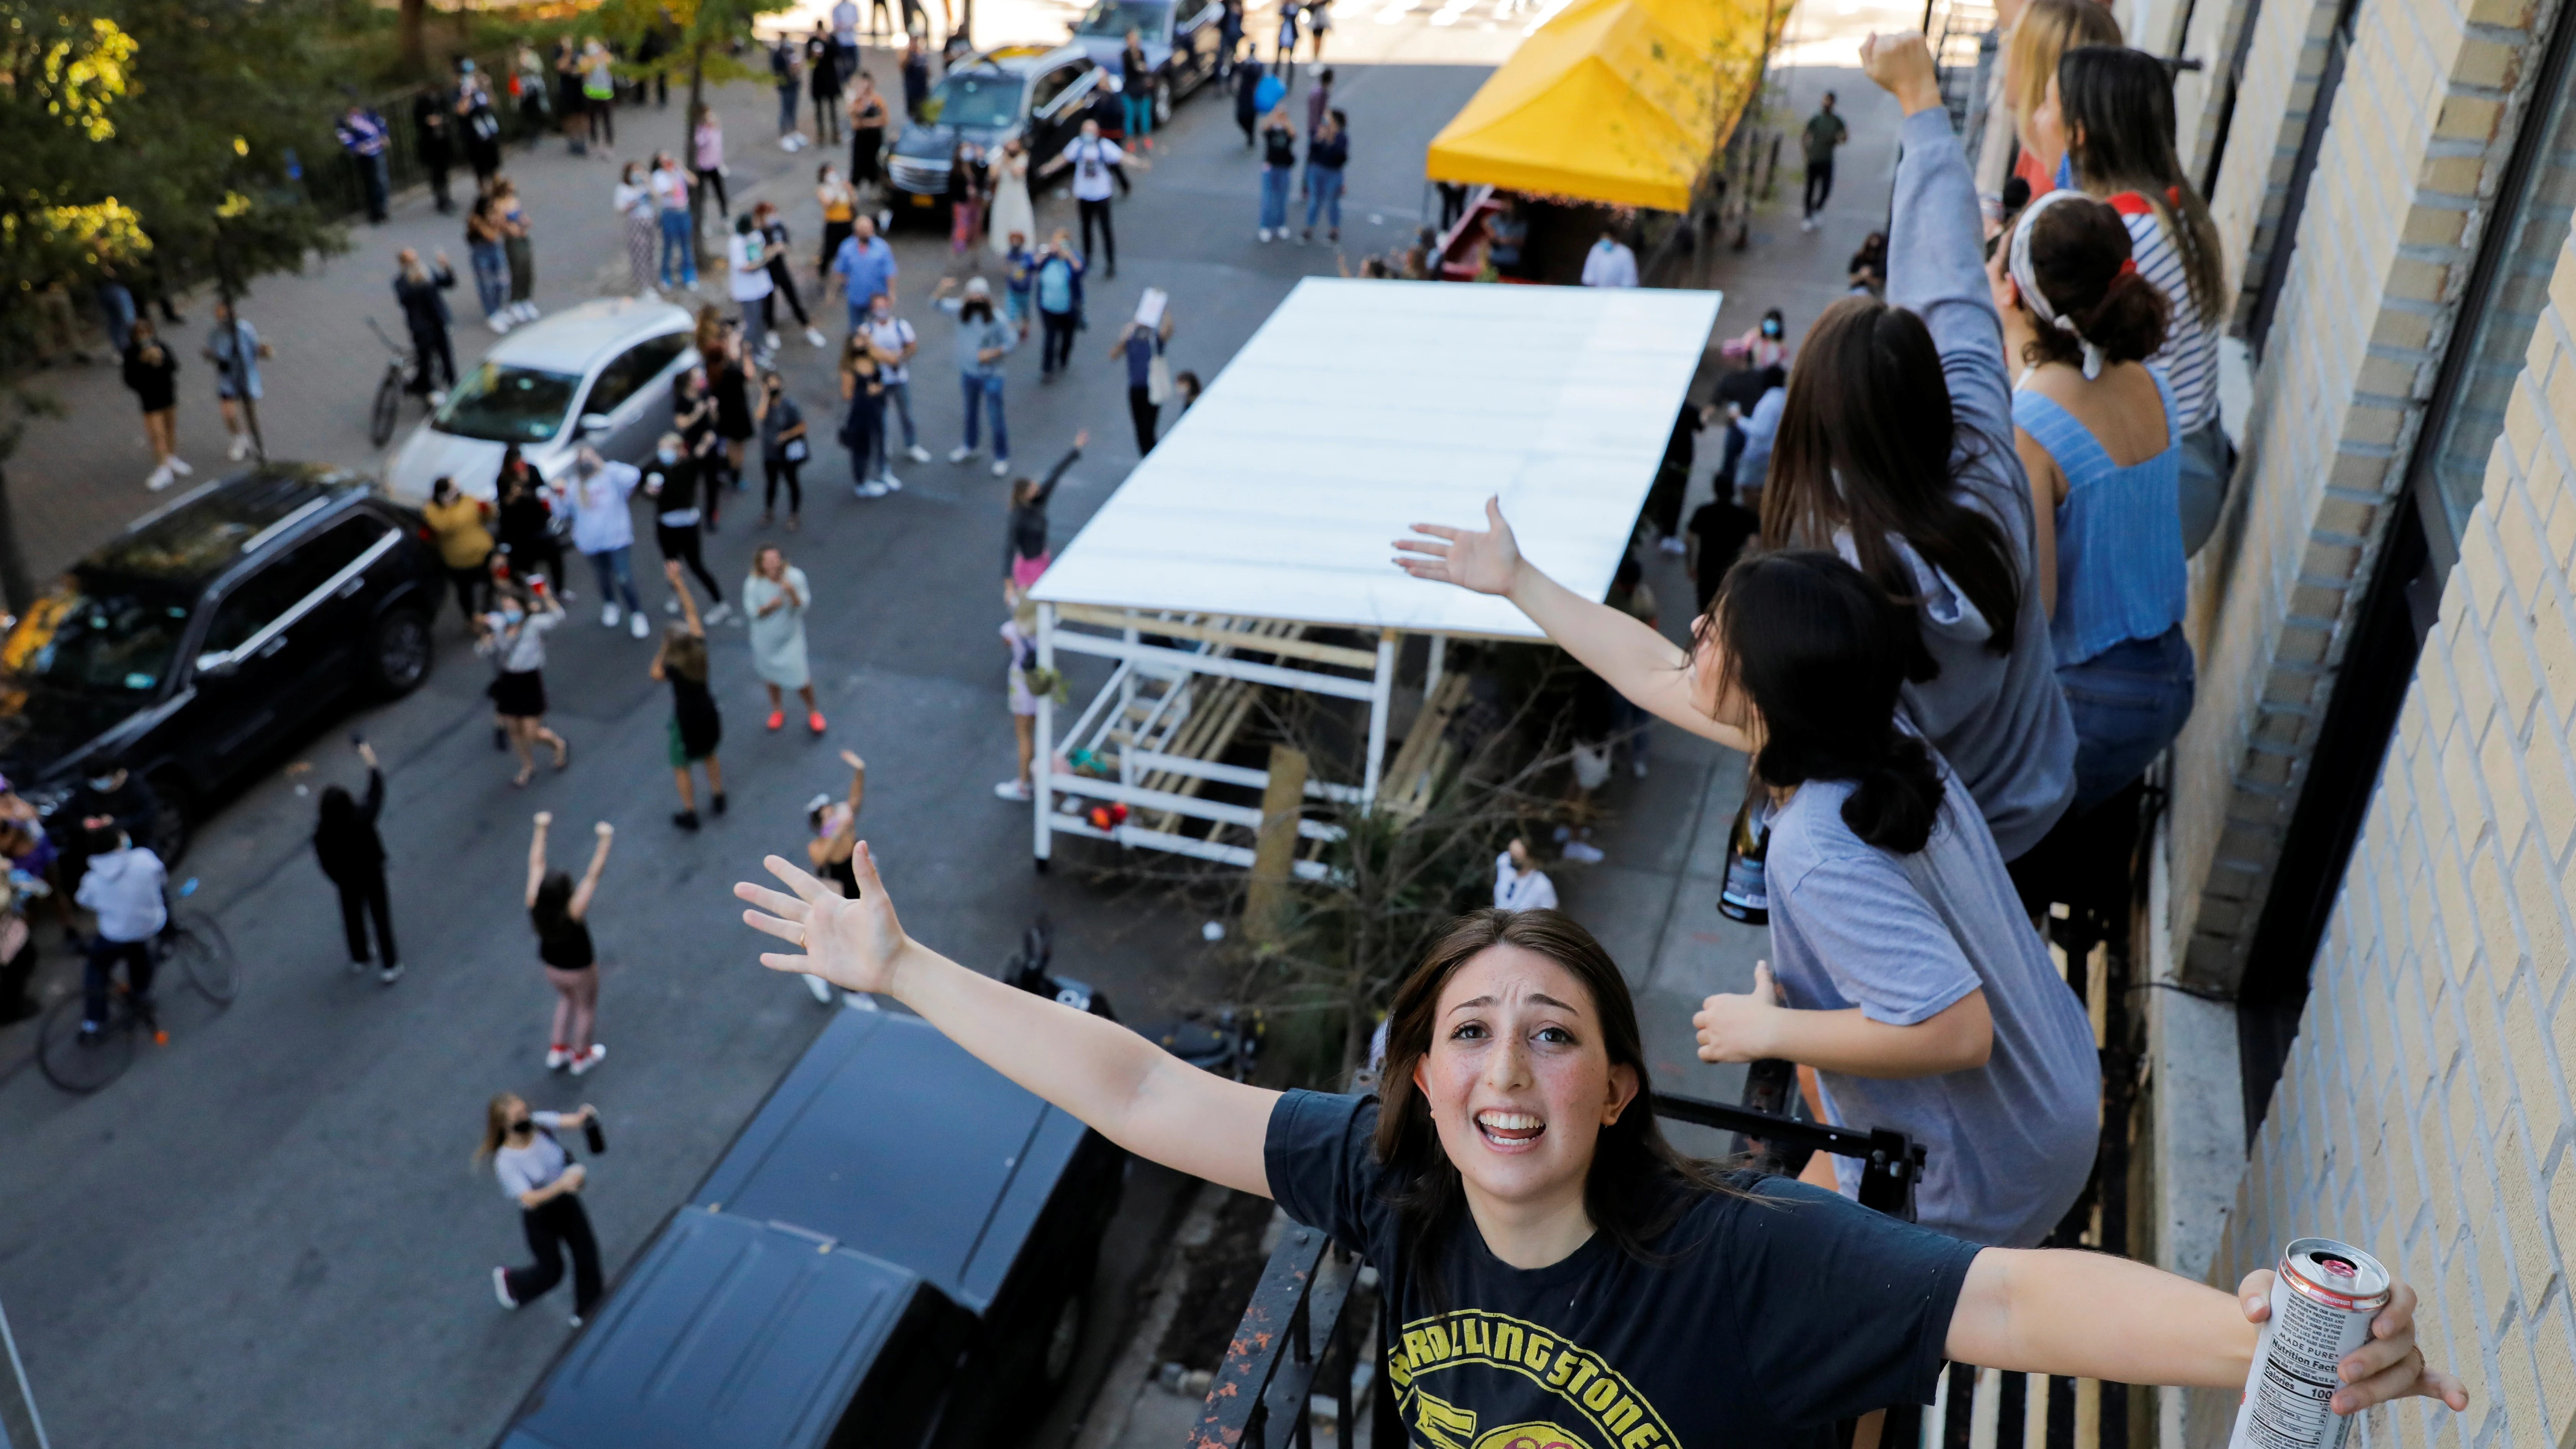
x=603 y=528
x=1763 y=345
x=896 y=342
x=514 y=638
x=536 y=1173
x=784 y=447
x=1558 y=1269
x=983 y=340
x=1098 y=164
x=675 y=481
x=1610 y=263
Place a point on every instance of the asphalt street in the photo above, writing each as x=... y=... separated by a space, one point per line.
x=268 y=1232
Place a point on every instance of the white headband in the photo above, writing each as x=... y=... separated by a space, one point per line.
x=2017 y=265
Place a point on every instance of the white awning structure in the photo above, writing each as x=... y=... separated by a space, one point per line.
x=1271 y=507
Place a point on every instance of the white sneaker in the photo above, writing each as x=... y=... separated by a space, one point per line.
x=240 y=447
x=1265 y=233
x=821 y=988
x=870 y=489
x=608 y=616
x=1012 y=789
x=557 y=1058
x=501 y=1287
x=772 y=343
x=892 y=483
x=1001 y=467
x=528 y=312
x=1637 y=768
x=179 y=466
x=720 y=613
x=1674 y=544
x=390 y=975
x=1581 y=850
x=636 y=626
x=960 y=454
x=437 y=397
x=591 y=1058
x=815 y=336
x=671 y=607
x=1806 y=223
x=498 y=322
x=917 y=453
x=161 y=478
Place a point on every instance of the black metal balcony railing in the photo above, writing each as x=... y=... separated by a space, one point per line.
x=1295 y=1331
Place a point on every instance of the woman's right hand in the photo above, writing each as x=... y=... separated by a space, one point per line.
x=1486 y=561
x=854 y=944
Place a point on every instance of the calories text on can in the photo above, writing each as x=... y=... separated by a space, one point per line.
x=2322 y=1302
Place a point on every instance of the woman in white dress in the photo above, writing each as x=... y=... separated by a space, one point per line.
x=776 y=597
x=634 y=201
x=1011 y=211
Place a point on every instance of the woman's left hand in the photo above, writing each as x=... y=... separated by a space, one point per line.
x=1741 y=1027
x=2389 y=1366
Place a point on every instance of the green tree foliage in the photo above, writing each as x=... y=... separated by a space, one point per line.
x=138 y=131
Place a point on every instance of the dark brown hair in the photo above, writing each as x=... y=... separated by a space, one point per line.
x=1868 y=443
x=2079 y=256
x=1638 y=1186
x=2118 y=108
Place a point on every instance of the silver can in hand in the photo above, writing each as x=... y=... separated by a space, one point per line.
x=2323 y=1299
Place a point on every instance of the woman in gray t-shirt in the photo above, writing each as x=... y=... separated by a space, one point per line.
x=1908 y=977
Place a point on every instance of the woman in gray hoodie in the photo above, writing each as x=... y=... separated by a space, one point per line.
x=1895 y=450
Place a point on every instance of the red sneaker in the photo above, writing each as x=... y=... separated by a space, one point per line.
x=814 y=721
x=777 y=719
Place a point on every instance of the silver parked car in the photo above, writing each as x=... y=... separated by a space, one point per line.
x=599 y=374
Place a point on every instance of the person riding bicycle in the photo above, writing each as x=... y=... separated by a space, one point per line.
x=123 y=884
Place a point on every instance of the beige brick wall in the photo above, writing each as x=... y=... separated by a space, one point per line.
x=2420 y=126
x=2425 y=1111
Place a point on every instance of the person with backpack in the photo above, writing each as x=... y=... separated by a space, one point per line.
x=536 y=1173
x=353 y=858
x=1098 y=165
x=559 y=908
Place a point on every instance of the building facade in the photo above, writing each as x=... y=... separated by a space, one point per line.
x=2364 y=874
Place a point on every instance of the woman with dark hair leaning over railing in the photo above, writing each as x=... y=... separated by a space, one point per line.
x=1551 y=1262
x=1895 y=449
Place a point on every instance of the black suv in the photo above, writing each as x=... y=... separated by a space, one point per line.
x=190 y=647
x=894 y=1253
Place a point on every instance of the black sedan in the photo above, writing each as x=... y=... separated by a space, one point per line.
x=205 y=635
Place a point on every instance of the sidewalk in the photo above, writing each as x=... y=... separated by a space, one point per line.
x=1653 y=902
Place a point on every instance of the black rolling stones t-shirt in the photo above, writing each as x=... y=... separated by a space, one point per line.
x=1772 y=1316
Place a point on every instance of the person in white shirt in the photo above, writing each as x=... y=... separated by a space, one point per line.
x=893 y=337
x=1609 y=263
x=671 y=204
x=1519 y=885
x=604 y=531
x=536 y=1173
x=1097 y=166
x=123 y=884
x=746 y=260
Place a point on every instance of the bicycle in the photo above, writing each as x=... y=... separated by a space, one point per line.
x=194 y=944
x=400 y=374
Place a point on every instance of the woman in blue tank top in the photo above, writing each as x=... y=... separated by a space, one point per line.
x=2099 y=435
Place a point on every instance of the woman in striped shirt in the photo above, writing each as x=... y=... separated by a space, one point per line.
x=2114 y=109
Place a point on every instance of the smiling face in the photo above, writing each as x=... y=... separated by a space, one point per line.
x=1518 y=1080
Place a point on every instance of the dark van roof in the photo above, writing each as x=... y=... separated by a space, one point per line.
x=728 y=1331
x=893 y=1140
x=189 y=541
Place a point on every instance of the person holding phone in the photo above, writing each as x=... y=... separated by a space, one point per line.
x=536 y=1173
x=353 y=857
x=514 y=638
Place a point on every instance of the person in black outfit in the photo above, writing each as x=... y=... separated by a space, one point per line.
x=353 y=856
x=823 y=78
x=524 y=522
x=536 y=1173
x=696 y=727
x=1719 y=530
x=1247 y=93
x=773 y=245
x=916 y=77
x=1672 y=479
x=1024 y=549
x=434 y=143
x=416 y=288
x=673 y=480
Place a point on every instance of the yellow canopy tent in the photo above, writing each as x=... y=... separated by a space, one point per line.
x=1617 y=101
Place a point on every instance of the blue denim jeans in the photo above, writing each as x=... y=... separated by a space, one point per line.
x=898 y=401
x=491 y=276
x=616 y=571
x=1140 y=114
x=2129 y=701
x=986 y=392
x=1274 y=197
x=1324 y=196
x=678 y=245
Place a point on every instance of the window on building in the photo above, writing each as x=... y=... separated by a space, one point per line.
x=2507 y=289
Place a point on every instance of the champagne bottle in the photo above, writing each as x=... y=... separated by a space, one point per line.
x=1745 y=894
x=591 y=1134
